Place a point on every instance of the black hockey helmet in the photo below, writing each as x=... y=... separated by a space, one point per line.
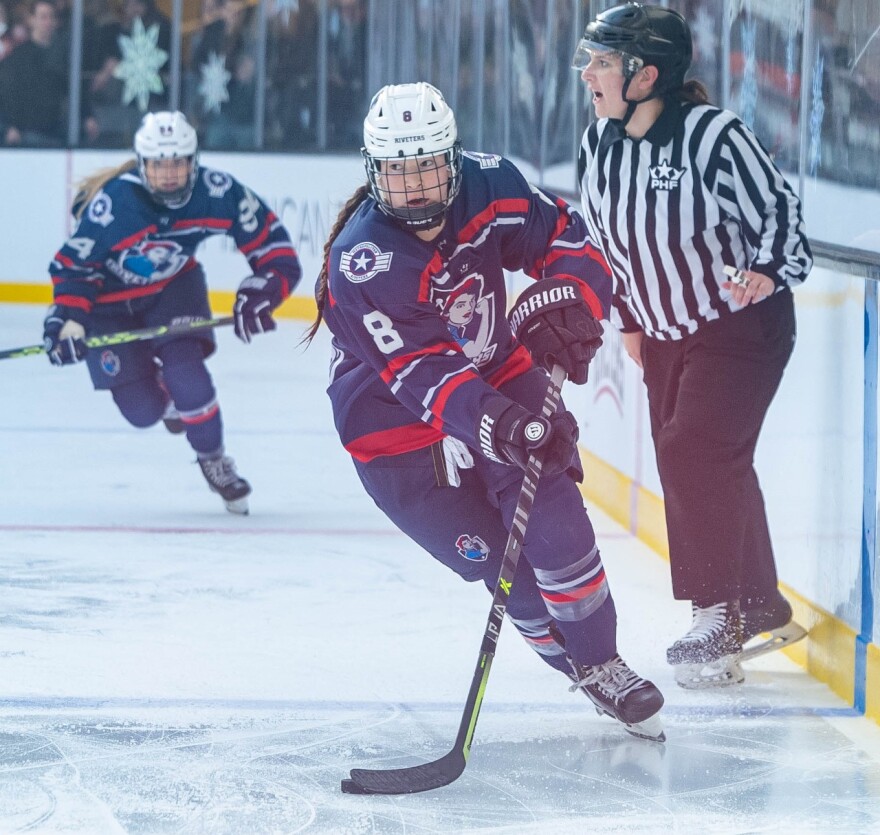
x=643 y=35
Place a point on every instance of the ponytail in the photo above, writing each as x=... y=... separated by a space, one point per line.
x=694 y=92
x=87 y=188
x=324 y=278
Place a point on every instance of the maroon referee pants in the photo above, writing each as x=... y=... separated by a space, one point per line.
x=708 y=395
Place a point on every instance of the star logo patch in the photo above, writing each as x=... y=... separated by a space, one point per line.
x=364 y=261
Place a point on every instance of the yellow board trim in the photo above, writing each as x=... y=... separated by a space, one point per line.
x=872 y=688
x=829 y=651
x=296 y=307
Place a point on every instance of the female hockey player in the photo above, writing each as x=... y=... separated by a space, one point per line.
x=680 y=195
x=437 y=396
x=131 y=264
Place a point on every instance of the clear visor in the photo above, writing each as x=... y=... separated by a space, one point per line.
x=587 y=48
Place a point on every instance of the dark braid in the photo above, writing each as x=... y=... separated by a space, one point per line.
x=323 y=279
x=694 y=91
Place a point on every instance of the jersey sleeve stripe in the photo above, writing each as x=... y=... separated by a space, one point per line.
x=394 y=441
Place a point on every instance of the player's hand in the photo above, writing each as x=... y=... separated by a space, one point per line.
x=257 y=297
x=516 y=433
x=552 y=319
x=64 y=337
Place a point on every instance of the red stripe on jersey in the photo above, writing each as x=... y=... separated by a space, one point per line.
x=209 y=222
x=283 y=252
x=587 y=250
x=135 y=292
x=395 y=365
x=394 y=441
x=137 y=236
x=258 y=241
x=64 y=260
x=434 y=266
x=330 y=300
x=516 y=364
x=445 y=392
x=496 y=207
x=74 y=301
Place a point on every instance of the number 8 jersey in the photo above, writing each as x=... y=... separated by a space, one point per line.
x=420 y=332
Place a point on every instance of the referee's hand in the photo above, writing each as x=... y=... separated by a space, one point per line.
x=747 y=286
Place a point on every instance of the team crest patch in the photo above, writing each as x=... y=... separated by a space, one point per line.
x=664 y=177
x=100 y=209
x=364 y=261
x=218 y=182
x=110 y=363
x=472 y=548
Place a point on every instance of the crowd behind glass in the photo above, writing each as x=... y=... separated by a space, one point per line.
x=295 y=75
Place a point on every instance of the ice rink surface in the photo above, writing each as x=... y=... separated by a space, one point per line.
x=166 y=667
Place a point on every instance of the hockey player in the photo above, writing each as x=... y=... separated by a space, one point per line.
x=131 y=264
x=436 y=395
x=679 y=195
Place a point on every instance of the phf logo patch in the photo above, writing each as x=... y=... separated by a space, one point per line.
x=110 y=363
x=472 y=548
x=664 y=177
x=364 y=261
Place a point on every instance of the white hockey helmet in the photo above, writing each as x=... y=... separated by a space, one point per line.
x=167 y=135
x=412 y=121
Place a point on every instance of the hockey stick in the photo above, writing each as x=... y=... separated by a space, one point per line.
x=433 y=775
x=121 y=337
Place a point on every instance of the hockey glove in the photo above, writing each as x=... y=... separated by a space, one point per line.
x=516 y=433
x=257 y=297
x=64 y=335
x=552 y=319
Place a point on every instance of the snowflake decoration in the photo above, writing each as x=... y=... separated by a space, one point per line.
x=213 y=88
x=285 y=8
x=141 y=60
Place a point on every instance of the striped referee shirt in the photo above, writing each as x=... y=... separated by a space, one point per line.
x=671 y=209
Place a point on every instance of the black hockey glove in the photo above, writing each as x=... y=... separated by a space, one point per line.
x=257 y=297
x=64 y=331
x=515 y=433
x=552 y=319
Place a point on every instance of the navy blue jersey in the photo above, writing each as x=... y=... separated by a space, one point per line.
x=420 y=331
x=127 y=246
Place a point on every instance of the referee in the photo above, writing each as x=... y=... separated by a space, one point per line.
x=674 y=191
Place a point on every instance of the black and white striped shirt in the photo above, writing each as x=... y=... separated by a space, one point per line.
x=669 y=211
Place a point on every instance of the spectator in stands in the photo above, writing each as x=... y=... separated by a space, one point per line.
x=346 y=71
x=32 y=91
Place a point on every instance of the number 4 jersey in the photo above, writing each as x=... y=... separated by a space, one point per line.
x=420 y=331
x=127 y=246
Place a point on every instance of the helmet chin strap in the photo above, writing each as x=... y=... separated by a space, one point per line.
x=632 y=104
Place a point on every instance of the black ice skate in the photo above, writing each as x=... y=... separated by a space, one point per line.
x=709 y=654
x=618 y=692
x=222 y=478
x=772 y=618
x=172 y=420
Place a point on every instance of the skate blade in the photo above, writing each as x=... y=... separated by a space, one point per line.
x=722 y=673
x=237 y=506
x=650 y=729
x=779 y=638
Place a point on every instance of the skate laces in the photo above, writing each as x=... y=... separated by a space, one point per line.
x=707 y=622
x=614 y=677
x=219 y=471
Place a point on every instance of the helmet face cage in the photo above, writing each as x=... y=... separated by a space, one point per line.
x=419 y=197
x=412 y=125
x=167 y=135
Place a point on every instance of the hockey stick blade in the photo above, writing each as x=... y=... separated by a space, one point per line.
x=121 y=337
x=418 y=778
x=441 y=772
